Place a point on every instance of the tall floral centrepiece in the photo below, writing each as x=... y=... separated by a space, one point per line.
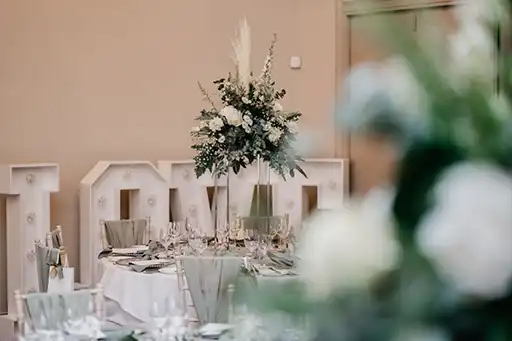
x=250 y=124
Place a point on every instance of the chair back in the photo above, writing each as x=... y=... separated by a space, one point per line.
x=210 y=282
x=126 y=233
x=257 y=226
x=48 y=311
x=55 y=240
x=46 y=257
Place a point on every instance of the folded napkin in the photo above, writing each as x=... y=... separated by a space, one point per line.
x=281 y=259
x=139 y=268
x=104 y=253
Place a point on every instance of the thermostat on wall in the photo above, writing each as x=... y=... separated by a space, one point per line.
x=295 y=62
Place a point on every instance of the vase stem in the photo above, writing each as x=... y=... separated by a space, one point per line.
x=215 y=204
x=228 y=206
x=258 y=199
x=268 y=213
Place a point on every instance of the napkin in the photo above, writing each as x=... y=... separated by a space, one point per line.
x=281 y=259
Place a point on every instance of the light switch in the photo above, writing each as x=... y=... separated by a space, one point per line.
x=295 y=62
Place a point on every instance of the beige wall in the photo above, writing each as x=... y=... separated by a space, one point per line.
x=89 y=80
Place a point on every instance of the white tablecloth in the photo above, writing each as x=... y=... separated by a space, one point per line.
x=136 y=293
x=131 y=295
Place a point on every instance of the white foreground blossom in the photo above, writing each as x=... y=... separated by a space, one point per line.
x=232 y=115
x=346 y=249
x=383 y=92
x=468 y=234
x=472 y=55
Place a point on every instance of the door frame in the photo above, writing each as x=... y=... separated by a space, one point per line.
x=345 y=9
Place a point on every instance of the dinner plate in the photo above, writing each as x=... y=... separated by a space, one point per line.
x=171 y=270
x=127 y=251
x=149 y=262
x=115 y=259
x=214 y=329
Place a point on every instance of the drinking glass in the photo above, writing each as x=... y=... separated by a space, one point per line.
x=198 y=243
x=252 y=246
x=165 y=240
x=262 y=245
x=175 y=233
x=222 y=237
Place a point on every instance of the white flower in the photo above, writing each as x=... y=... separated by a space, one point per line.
x=481 y=11
x=203 y=124
x=467 y=234
x=248 y=120
x=232 y=115
x=245 y=100
x=221 y=139
x=292 y=127
x=216 y=124
x=472 y=56
x=347 y=249
x=274 y=134
x=195 y=129
x=383 y=92
x=246 y=128
x=278 y=107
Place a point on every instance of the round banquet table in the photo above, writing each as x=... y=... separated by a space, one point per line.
x=133 y=294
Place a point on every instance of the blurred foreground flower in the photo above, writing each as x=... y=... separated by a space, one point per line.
x=345 y=250
x=468 y=234
x=383 y=98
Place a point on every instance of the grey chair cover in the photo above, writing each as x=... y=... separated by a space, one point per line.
x=125 y=233
x=45 y=258
x=208 y=279
x=48 y=311
x=56 y=239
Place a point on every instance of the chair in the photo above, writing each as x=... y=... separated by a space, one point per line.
x=56 y=240
x=45 y=256
x=257 y=226
x=55 y=307
x=210 y=281
x=126 y=233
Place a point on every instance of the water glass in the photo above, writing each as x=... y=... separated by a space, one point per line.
x=252 y=246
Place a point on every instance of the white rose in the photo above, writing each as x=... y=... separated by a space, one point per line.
x=232 y=115
x=221 y=139
x=348 y=248
x=467 y=234
x=216 y=124
x=278 y=107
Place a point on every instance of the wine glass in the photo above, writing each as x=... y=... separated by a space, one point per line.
x=222 y=237
x=165 y=240
x=262 y=245
x=283 y=233
x=234 y=230
x=198 y=243
x=251 y=245
x=175 y=233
